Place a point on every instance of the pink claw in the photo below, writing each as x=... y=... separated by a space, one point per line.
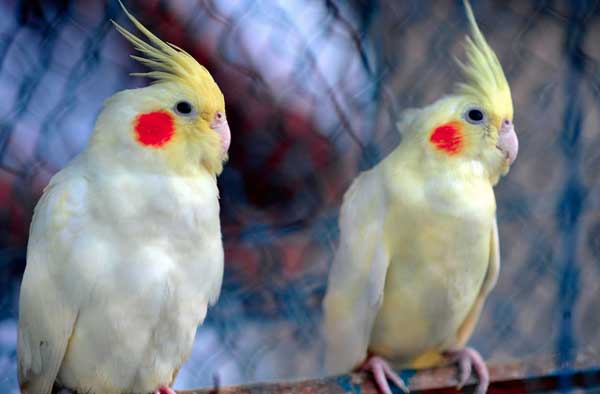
x=467 y=359
x=164 y=390
x=382 y=371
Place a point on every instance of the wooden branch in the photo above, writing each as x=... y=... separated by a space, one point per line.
x=525 y=376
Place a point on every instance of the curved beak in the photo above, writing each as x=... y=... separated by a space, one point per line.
x=220 y=125
x=508 y=142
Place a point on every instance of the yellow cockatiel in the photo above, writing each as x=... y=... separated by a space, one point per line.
x=418 y=250
x=125 y=250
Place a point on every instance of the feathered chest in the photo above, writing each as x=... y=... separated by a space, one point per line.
x=437 y=232
x=154 y=227
x=150 y=260
x=442 y=217
x=158 y=205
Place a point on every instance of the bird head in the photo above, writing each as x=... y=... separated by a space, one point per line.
x=176 y=124
x=475 y=124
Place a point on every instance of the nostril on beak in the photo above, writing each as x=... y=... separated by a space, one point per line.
x=218 y=120
x=508 y=142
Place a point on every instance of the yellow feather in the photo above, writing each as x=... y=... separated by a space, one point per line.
x=169 y=63
x=485 y=80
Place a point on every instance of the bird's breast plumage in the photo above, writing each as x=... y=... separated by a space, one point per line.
x=151 y=258
x=438 y=234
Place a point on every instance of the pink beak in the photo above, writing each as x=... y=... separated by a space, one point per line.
x=220 y=125
x=508 y=142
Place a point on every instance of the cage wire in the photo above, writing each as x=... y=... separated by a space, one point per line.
x=313 y=91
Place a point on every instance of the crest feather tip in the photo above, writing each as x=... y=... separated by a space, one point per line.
x=484 y=77
x=167 y=62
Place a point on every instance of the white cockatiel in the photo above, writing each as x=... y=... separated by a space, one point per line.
x=418 y=250
x=125 y=251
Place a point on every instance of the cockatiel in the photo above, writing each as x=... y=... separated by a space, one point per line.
x=418 y=251
x=125 y=250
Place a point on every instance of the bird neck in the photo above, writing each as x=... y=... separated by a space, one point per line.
x=435 y=167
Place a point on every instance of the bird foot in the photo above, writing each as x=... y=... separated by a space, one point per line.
x=467 y=359
x=164 y=390
x=382 y=371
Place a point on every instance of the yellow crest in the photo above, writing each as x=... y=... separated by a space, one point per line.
x=485 y=79
x=167 y=61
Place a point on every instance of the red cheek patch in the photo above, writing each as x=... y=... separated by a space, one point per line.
x=154 y=128
x=447 y=137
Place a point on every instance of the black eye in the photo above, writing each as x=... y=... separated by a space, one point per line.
x=475 y=116
x=184 y=108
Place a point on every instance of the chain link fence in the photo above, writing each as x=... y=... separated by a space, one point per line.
x=313 y=89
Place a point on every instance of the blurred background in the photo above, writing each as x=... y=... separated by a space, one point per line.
x=313 y=90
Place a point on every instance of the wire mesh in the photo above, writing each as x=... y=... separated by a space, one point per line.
x=313 y=90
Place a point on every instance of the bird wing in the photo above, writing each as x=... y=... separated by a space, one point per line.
x=47 y=306
x=491 y=277
x=357 y=276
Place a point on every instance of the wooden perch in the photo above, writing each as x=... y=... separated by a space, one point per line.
x=525 y=376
